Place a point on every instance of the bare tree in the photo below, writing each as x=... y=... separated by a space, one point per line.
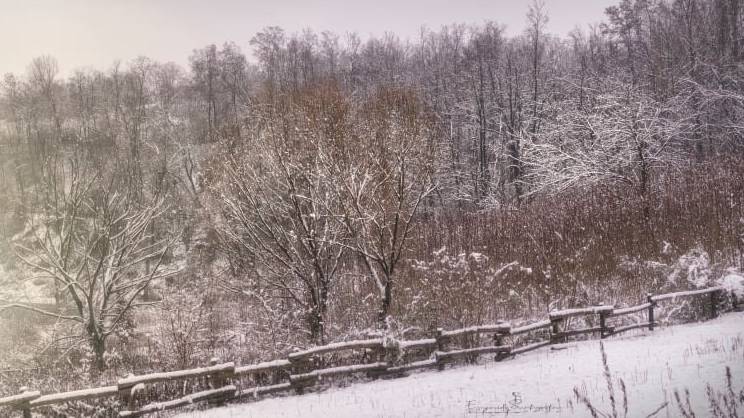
x=205 y=72
x=277 y=209
x=537 y=18
x=42 y=73
x=623 y=139
x=233 y=67
x=93 y=243
x=381 y=188
x=269 y=47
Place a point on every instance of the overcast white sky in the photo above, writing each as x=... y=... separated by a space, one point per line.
x=94 y=33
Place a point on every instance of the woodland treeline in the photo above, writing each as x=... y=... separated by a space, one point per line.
x=335 y=186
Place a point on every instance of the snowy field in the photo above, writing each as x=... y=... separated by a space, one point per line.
x=651 y=364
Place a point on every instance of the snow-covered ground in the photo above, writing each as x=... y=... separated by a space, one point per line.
x=651 y=364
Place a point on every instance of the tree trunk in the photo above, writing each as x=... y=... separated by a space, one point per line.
x=98 y=345
x=315 y=322
x=515 y=169
x=735 y=11
x=316 y=316
x=387 y=299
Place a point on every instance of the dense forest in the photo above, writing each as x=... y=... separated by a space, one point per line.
x=154 y=216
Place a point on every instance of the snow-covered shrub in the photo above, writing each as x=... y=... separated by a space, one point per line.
x=733 y=283
x=692 y=270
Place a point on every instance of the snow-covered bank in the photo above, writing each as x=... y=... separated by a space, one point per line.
x=652 y=365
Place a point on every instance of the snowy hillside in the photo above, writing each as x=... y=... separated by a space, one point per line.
x=210 y=211
x=652 y=366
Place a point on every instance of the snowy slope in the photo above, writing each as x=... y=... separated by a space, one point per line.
x=652 y=365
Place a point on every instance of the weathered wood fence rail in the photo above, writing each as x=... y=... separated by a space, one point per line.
x=383 y=359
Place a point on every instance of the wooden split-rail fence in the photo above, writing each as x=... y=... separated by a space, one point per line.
x=301 y=369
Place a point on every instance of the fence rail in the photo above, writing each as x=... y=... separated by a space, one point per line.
x=300 y=370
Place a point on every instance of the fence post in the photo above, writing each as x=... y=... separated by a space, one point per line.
x=24 y=406
x=602 y=323
x=440 y=347
x=126 y=396
x=218 y=380
x=734 y=302
x=651 y=303
x=469 y=342
x=714 y=304
x=295 y=368
x=375 y=354
x=498 y=340
x=383 y=354
x=555 y=330
x=300 y=365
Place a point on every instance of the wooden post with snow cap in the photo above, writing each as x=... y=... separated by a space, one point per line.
x=219 y=380
x=392 y=352
x=440 y=347
x=603 y=332
x=126 y=395
x=651 y=303
x=22 y=401
x=216 y=380
x=376 y=355
x=299 y=366
x=555 y=330
x=498 y=340
x=390 y=355
x=25 y=397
